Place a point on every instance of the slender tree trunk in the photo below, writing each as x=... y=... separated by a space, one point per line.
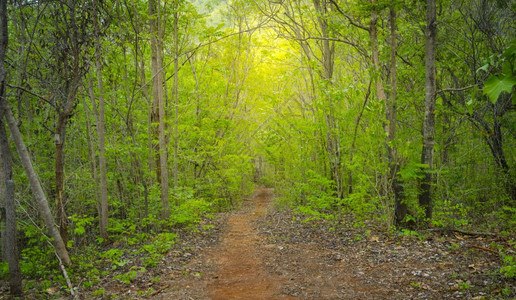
x=373 y=35
x=59 y=173
x=400 y=208
x=176 y=84
x=35 y=184
x=104 y=213
x=157 y=66
x=496 y=142
x=355 y=133
x=332 y=141
x=93 y=160
x=140 y=63
x=425 y=196
x=9 y=250
x=380 y=90
x=9 y=235
x=393 y=186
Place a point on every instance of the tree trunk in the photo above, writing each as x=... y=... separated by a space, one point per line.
x=373 y=35
x=332 y=141
x=59 y=180
x=400 y=208
x=103 y=218
x=35 y=184
x=176 y=84
x=9 y=251
x=393 y=187
x=155 y=67
x=91 y=143
x=140 y=64
x=157 y=71
x=495 y=139
x=9 y=240
x=425 y=196
x=380 y=90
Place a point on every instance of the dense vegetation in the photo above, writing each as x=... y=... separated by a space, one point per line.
x=141 y=118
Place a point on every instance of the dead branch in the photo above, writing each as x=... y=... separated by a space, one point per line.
x=470 y=233
x=485 y=249
x=160 y=290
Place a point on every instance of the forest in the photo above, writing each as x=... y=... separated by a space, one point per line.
x=135 y=134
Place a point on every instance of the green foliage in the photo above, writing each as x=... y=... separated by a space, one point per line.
x=114 y=256
x=497 y=84
x=506 y=79
x=464 y=286
x=161 y=244
x=507 y=216
x=155 y=250
x=4 y=270
x=127 y=277
x=99 y=293
x=454 y=247
x=80 y=222
x=257 y=110
x=37 y=257
x=411 y=233
x=189 y=213
x=313 y=215
x=450 y=214
x=508 y=269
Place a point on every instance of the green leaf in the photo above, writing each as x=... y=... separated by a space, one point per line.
x=483 y=68
x=495 y=85
x=469 y=105
x=80 y=230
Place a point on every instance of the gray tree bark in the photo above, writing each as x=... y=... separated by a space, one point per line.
x=176 y=85
x=400 y=208
x=41 y=198
x=332 y=135
x=10 y=250
x=101 y=127
x=157 y=86
x=425 y=196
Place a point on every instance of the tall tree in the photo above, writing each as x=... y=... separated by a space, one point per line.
x=71 y=37
x=35 y=184
x=400 y=207
x=156 y=26
x=425 y=196
x=9 y=235
x=175 y=93
x=392 y=184
x=101 y=127
x=328 y=61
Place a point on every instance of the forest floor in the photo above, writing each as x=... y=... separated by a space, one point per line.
x=260 y=252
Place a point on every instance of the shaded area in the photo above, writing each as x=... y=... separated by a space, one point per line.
x=325 y=261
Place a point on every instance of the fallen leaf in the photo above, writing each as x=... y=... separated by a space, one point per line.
x=374 y=239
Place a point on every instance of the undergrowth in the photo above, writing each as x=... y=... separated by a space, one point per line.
x=133 y=249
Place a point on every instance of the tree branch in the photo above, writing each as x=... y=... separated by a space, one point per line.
x=457 y=89
x=31 y=93
x=351 y=21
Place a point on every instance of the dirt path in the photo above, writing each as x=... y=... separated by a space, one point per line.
x=264 y=253
x=241 y=273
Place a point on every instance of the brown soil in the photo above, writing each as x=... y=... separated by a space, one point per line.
x=239 y=260
x=266 y=253
x=259 y=252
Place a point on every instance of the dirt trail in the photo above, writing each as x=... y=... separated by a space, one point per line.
x=241 y=273
x=267 y=254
